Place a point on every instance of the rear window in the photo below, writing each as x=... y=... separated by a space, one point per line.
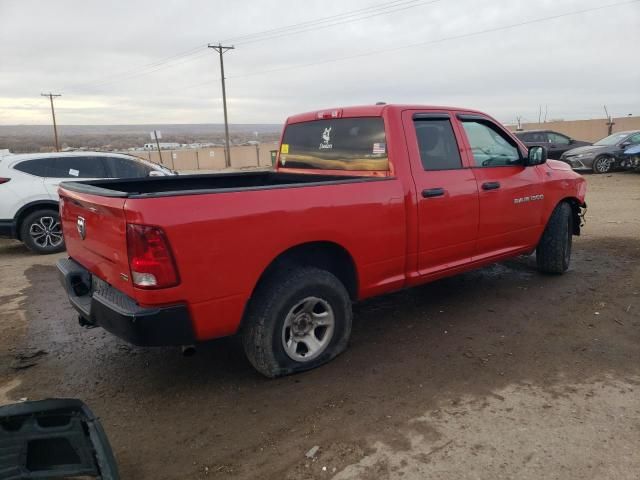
x=336 y=144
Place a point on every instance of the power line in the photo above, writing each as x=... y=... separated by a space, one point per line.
x=354 y=16
x=319 y=20
x=144 y=72
x=302 y=27
x=156 y=63
x=413 y=45
x=341 y=22
x=438 y=40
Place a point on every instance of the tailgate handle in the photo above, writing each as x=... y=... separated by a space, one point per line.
x=433 y=192
x=491 y=185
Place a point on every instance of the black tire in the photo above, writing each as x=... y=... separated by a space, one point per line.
x=41 y=232
x=602 y=164
x=553 y=254
x=264 y=329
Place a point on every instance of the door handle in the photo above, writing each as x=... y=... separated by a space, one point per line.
x=491 y=185
x=433 y=192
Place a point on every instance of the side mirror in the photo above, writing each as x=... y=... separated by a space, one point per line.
x=537 y=156
x=156 y=173
x=625 y=144
x=571 y=141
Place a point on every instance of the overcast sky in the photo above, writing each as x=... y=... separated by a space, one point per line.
x=109 y=58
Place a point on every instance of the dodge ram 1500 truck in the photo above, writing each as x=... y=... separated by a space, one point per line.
x=363 y=201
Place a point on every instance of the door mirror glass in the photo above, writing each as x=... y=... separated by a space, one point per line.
x=536 y=156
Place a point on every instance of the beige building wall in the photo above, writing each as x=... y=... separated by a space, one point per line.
x=587 y=130
x=211 y=158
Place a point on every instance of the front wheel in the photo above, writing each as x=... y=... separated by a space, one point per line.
x=41 y=232
x=298 y=320
x=602 y=164
x=553 y=254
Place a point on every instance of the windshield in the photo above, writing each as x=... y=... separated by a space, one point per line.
x=612 y=139
x=336 y=144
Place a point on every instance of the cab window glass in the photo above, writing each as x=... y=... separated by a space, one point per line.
x=437 y=144
x=490 y=146
x=336 y=144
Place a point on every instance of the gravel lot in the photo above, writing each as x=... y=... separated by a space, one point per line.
x=498 y=373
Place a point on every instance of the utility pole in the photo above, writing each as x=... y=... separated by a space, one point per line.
x=227 y=154
x=610 y=122
x=53 y=114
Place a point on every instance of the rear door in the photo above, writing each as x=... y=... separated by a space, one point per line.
x=446 y=189
x=510 y=194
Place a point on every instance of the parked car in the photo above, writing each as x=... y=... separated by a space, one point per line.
x=364 y=201
x=604 y=155
x=29 y=190
x=555 y=143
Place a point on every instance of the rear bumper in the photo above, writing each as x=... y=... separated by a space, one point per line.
x=8 y=228
x=99 y=304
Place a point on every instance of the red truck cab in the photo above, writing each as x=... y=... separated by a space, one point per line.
x=363 y=201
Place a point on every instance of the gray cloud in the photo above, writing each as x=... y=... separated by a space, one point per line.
x=573 y=64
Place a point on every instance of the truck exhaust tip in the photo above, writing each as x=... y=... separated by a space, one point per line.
x=188 y=350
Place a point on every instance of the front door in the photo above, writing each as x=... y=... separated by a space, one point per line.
x=511 y=195
x=447 y=193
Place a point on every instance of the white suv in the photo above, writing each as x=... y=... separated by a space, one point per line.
x=29 y=190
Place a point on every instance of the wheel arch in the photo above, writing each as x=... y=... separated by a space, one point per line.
x=577 y=210
x=29 y=208
x=325 y=255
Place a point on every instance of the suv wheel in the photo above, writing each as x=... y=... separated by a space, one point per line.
x=553 y=254
x=41 y=232
x=297 y=321
x=602 y=164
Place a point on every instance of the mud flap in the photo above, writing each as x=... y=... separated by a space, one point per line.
x=55 y=438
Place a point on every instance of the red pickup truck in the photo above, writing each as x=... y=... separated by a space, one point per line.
x=363 y=201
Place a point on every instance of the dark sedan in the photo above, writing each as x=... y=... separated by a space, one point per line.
x=555 y=143
x=604 y=155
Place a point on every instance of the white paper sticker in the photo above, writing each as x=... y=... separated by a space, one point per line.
x=73 y=172
x=174 y=155
x=212 y=153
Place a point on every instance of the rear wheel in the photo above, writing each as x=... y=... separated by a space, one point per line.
x=298 y=320
x=41 y=232
x=553 y=254
x=603 y=164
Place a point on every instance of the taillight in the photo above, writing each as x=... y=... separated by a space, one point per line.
x=4 y=180
x=150 y=259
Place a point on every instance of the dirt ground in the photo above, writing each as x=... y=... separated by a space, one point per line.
x=498 y=373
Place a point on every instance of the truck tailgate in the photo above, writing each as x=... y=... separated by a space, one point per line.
x=95 y=235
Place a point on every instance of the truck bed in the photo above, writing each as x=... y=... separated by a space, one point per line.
x=209 y=183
